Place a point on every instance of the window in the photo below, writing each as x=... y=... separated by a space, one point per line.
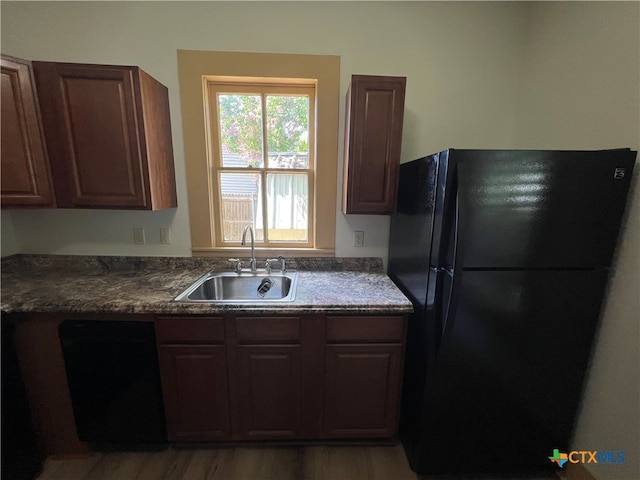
x=262 y=143
x=247 y=168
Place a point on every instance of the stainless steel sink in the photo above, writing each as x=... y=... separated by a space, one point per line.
x=242 y=287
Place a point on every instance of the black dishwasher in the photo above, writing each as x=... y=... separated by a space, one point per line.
x=114 y=381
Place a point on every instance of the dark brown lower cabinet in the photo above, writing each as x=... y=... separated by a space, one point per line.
x=195 y=392
x=363 y=375
x=45 y=379
x=281 y=377
x=193 y=368
x=240 y=378
x=361 y=391
x=266 y=368
x=269 y=391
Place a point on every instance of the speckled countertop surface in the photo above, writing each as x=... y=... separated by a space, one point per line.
x=85 y=284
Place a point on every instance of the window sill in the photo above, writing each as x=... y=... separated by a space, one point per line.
x=245 y=252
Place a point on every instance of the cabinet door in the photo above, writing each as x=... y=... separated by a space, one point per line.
x=362 y=384
x=26 y=180
x=375 y=112
x=93 y=135
x=269 y=391
x=195 y=387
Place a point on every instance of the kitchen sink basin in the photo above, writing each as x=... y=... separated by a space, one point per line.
x=242 y=287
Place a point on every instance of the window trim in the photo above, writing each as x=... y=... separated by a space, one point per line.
x=215 y=85
x=193 y=66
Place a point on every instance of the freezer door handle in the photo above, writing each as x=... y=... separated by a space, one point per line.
x=450 y=247
x=459 y=224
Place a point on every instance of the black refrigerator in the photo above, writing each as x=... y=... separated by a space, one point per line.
x=505 y=255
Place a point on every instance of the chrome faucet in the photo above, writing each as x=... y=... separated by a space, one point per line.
x=243 y=242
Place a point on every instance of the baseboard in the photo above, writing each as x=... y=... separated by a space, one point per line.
x=575 y=471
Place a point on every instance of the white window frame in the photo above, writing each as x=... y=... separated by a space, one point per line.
x=215 y=85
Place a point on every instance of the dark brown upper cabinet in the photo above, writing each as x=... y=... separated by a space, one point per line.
x=108 y=136
x=26 y=180
x=373 y=136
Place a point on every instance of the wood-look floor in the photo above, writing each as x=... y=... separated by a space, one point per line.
x=239 y=463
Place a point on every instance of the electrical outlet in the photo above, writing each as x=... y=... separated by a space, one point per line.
x=165 y=236
x=138 y=236
x=358 y=238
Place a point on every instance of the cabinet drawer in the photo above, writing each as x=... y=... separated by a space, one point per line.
x=376 y=329
x=259 y=330
x=190 y=330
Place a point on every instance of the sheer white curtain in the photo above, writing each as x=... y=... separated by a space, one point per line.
x=287 y=201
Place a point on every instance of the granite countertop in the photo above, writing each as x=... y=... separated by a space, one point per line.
x=147 y=285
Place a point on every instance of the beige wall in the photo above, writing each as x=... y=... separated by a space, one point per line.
x=480 y=75
x=8 y=239
x=459 y=60
x=581 y=89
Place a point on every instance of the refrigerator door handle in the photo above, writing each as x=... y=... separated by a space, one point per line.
x=456 y=232
x=450 y=303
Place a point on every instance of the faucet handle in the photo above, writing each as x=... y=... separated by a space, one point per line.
x=267 y=263
x=283 y=265
x=238 y=264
